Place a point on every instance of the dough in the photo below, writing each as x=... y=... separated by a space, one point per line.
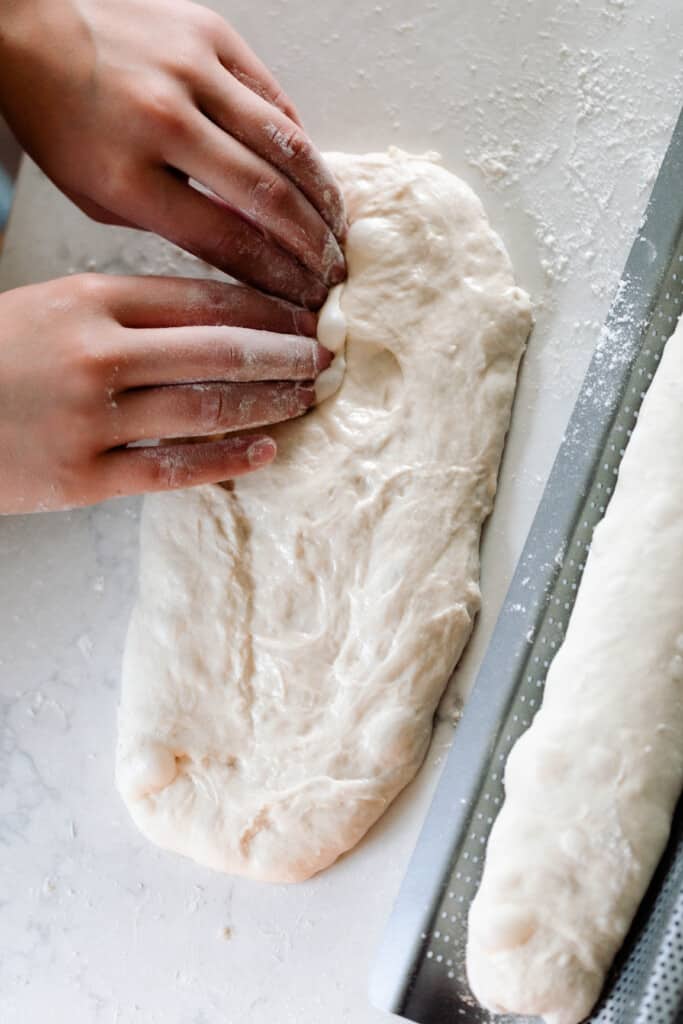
x=332 y=334
x=591 y=786
x=295 y=630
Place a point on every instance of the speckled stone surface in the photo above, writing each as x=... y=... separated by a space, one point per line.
x=558 y=114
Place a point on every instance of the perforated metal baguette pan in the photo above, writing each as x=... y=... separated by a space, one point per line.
x=419 y=972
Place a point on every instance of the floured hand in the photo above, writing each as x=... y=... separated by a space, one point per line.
x=124 y=105
x=91 y=364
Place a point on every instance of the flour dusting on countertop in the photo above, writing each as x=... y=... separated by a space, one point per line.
x=499 y=85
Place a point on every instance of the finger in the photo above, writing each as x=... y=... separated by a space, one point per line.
x=198 y=410
x=167 y=467
x=226 y=239
x=186 y=301
x=181 y=355
x=247 y=182
x=240 y=60
x=277 y=139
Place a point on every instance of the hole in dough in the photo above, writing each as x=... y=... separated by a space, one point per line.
x=377 y=376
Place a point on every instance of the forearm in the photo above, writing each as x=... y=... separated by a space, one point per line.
x=16 y=19
x=46 y=59
x=20 y=32
x=33 y=33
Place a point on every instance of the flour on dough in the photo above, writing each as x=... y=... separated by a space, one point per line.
x=591 y=786
x=295 y=630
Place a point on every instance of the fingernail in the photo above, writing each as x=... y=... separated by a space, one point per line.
x=338 y=273
x=336 y=212
x=305 y=323
x=341 y=227
x=333 y=262
x=314 y=296
x=305 y=396
x=261 y=452
x=323 y=357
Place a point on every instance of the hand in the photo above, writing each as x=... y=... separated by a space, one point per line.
x=122 y=102
x=90 y=364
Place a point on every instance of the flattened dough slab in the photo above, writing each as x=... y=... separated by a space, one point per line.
x=592 y=785
x=294 y=632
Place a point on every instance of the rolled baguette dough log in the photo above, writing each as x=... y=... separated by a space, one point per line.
x=295 y=630
x=591 y=786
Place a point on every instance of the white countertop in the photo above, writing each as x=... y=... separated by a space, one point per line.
x=558 y=113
